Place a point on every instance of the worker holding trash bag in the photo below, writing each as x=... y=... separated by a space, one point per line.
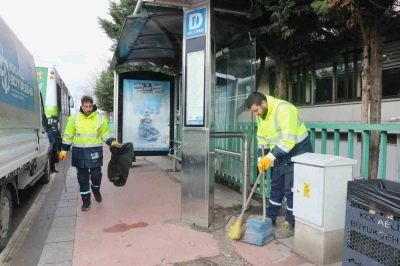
x=85 y=131
x=280 y=128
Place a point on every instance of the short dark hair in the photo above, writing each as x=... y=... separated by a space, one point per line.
x=255 y=98
x=86 y=98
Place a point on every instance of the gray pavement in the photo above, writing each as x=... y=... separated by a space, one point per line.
x=59 y=247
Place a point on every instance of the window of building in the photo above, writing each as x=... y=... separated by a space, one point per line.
x=354 y=76
x=358 y=75
x=342 y=80
x=301 y=82
x=272 y=81
x=347 y=71
x=391 y=70
x=308 y=83
x=348 y=81
x=391 y=82
x=295 y=83
x=351 y=93
x=323 y=86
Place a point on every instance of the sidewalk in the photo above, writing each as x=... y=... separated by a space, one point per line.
x=139 y=224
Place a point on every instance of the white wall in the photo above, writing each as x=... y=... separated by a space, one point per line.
x=346 y=112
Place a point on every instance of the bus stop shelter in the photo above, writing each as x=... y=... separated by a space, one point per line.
x=154 y=36
x=186 y=38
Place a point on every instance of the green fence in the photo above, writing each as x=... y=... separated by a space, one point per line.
x=229 y=168
x=351 y=129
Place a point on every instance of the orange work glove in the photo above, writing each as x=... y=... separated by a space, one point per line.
x=115 y=143
x=265 y=163
x=62 y=155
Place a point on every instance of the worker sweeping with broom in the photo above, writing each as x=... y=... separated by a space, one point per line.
x=281 y=128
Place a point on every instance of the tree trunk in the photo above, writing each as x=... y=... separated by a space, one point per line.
x=376 y=99
x=366 y=77
x=281 y=75
x=365 y=80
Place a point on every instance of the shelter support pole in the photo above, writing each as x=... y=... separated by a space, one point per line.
x=198 y=152
x=115 y=113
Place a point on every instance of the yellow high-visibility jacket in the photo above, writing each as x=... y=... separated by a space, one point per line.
x=86 y=135
x=282 y=130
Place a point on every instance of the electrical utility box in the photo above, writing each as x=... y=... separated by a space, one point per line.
x=319 y=205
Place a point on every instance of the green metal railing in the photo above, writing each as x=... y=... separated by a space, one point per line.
x=351 y=130
x=230 y=167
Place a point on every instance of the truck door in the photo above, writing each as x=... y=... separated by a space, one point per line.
x=43 y=138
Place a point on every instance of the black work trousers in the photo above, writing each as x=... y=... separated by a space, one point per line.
x=89 y=174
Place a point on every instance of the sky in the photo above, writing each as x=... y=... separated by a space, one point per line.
x=64 y=33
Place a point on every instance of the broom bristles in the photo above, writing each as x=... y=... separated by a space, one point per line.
x=235 y=232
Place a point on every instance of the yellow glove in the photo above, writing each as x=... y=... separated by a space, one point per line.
x=62 y=155
x=115 y=143
x=266 y=162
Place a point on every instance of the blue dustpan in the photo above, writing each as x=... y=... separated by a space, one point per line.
x=258 y=231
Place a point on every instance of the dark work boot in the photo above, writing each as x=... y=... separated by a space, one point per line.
x=287 y=230
x=86 y=202
x=97 y=194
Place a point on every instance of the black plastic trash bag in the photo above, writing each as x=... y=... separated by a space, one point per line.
x=121 y=161
x=384 y=195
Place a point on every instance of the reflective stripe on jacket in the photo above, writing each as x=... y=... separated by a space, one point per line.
x=86 y=134
x=90 y=131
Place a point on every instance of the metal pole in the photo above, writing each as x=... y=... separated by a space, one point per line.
x=116 y=81
x=246 y=157
x=176 y=107
x=398 y=157
x=234 y=12
x=65 y=176
x=138 y=6
x=167 y=3
x=229 y=153
x=174 y=169
x=236 y=104
x=263 y=186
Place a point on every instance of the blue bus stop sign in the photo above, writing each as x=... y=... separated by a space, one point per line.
x=196 y=23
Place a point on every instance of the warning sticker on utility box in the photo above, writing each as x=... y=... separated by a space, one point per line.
x=306 y=190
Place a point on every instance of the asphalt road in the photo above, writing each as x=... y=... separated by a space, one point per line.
x=32 y=220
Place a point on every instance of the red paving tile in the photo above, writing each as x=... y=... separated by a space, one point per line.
x=148 y=197
x=273 y=253
x=128 y=228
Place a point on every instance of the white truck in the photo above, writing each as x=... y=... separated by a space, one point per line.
x=24 y=144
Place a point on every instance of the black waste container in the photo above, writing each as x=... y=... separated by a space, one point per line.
x=372 y=228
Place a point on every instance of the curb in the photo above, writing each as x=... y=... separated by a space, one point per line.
x=59 y=247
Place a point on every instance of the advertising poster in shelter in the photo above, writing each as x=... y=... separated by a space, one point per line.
x=146 y=114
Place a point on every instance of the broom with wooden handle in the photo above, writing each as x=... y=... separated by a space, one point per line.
x=235 y=231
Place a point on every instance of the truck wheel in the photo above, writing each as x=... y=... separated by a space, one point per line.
x=5 y=223
x=45 y=179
